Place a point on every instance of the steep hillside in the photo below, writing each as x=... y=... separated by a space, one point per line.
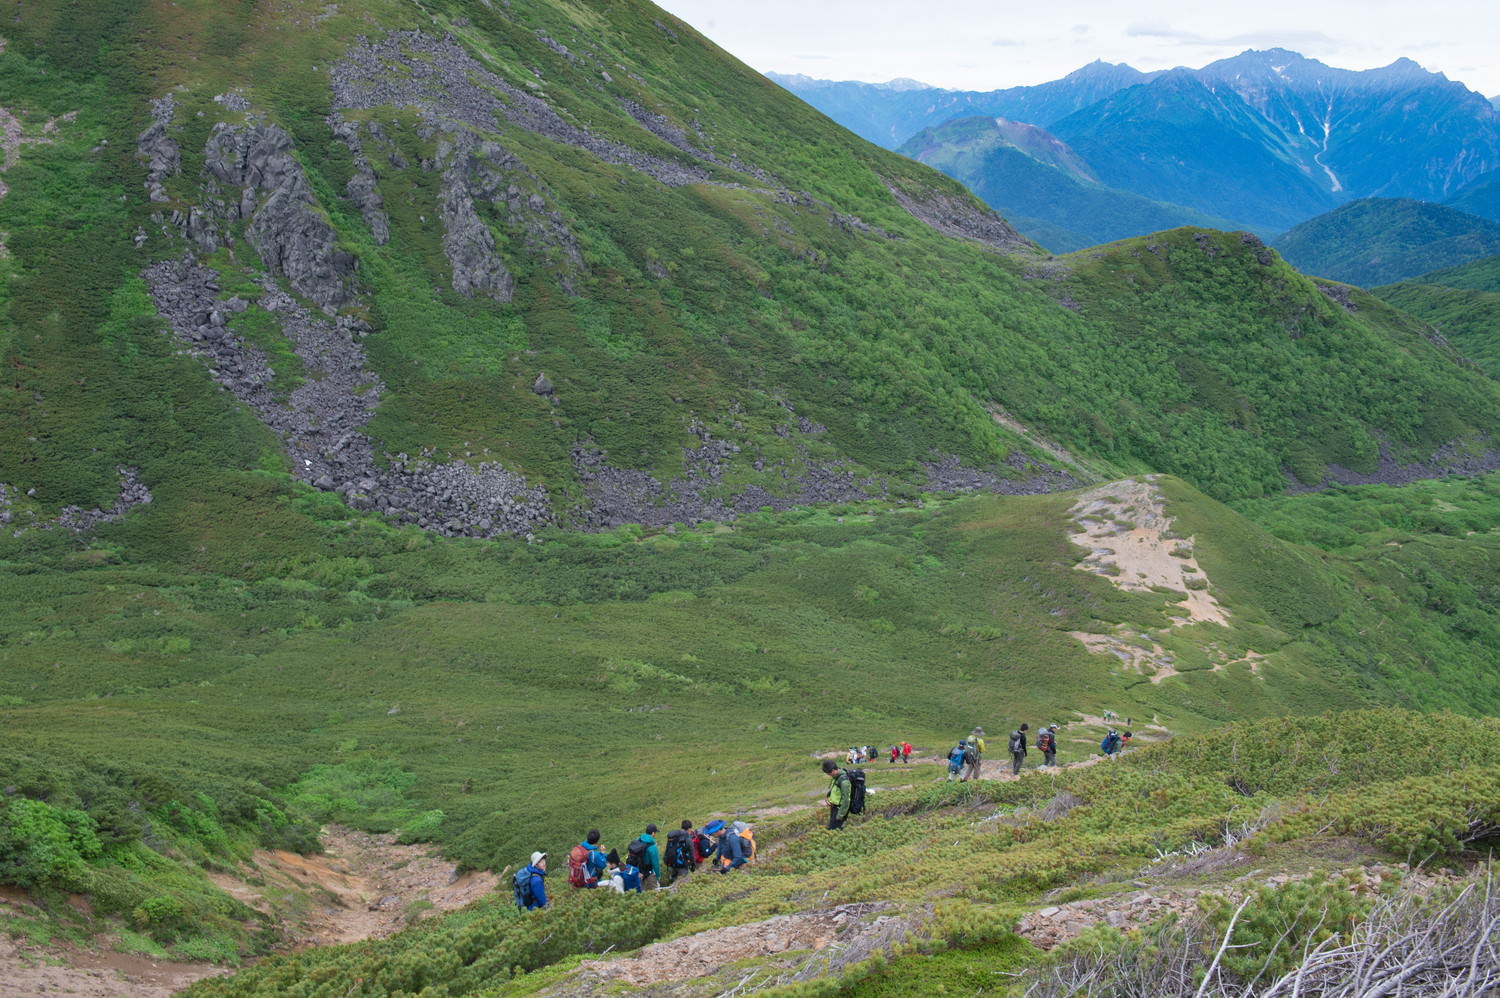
x=1041 y=186
x=1467 y=318
x=1383 y=240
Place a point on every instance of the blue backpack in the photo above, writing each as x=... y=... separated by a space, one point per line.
x=522 y=880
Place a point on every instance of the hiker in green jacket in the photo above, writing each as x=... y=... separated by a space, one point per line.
x=840 y=794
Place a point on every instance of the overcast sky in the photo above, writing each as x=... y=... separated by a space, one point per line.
x=992 y=44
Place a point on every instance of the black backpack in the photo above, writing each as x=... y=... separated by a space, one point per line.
x=522 y=881
x=635 y=855
x=856 y=790
x=680 y=851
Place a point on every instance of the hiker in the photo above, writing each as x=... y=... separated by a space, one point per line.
x=531 y=891
x=853 y=756
x=956 y=759
x=681 y=857
x=1111 y=743
x=731 y=847
x=895 y=753
x=622 y=876
x=906 y=751
x=840 y=794
x=1125 y=740
x=1017 y=749
x=1046 y=742
x=644 y=856
x=586 y=861
x=975 y=758
x=703 y=847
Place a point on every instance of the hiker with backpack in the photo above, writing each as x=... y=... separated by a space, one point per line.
x=840 y=795
x=681 y=857
x=530 y=890
x=1017 y=749
x=895 y=753
x=1111 y=743
x=703 y=847
x=622 y=876
x=906 y=751
x=1046 y=742
x=956 y=758
x=644 y=856
x=974 y=757
x=586 y=861
x=732 y=848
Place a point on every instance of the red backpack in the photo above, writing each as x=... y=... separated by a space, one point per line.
x=578 y=873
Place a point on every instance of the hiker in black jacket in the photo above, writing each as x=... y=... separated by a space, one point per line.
x=679 y=857
x=1017 y=749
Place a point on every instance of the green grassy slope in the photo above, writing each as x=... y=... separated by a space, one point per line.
x=1326 y=796
x=1467 y=318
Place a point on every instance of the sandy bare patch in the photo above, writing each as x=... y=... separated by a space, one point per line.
x=364 y=887
x=808 y=944
x=1127 y=530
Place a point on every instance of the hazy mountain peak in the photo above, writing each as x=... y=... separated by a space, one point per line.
x=799 y=81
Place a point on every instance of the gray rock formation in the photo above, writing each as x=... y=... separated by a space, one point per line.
x=292 y=238
x=362 y=188
x=133 y=493
x=322 y=421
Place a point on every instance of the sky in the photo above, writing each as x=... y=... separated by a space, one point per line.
x=993 y=44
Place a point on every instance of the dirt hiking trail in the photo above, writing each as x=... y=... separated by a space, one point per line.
x=363 y=887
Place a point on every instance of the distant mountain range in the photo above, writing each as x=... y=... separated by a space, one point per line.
x=1266 y=139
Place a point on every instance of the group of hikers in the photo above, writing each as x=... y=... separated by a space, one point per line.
x=900 y=752
x=724 y=846
x=720 y=846
x=966 y=758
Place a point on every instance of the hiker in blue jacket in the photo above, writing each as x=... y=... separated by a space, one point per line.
x=536 y=896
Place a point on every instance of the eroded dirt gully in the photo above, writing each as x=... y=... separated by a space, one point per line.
x=363 y=887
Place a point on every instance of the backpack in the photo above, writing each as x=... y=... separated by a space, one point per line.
x=856 y=790
x=578 y=859
x=971 y=755
x=680 y=851
x=1017 y=742
x=522 y=881
x=635 y=854
x=1111 y=741
x=1044 y=741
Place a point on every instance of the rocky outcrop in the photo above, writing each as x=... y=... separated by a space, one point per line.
x=133 y=492
x=439 y=78
x=962 y=217
x=362 y=188
x=1021 y=477
x=291 y=236
x=619 y=495
x=159 y=150
x=321 y=421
